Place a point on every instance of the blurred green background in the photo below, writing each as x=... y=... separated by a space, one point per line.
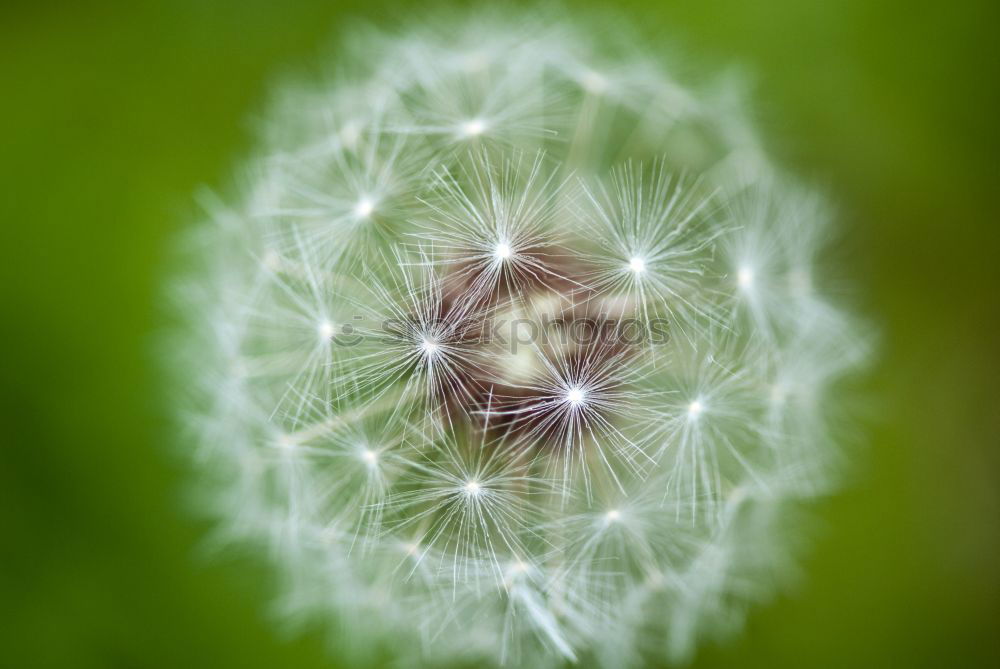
x=112 y=114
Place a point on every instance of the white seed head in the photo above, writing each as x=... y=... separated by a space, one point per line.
x=488 y=399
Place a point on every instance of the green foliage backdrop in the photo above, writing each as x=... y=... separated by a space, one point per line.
x=113 y=113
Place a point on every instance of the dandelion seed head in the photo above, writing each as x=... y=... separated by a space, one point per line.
x=450 y=358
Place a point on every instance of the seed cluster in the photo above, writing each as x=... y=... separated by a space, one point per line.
x=513 y=351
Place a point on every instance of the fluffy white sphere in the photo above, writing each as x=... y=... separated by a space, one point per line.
x=513 y=350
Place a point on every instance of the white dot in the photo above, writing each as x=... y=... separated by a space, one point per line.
x=575 y=396
x=364 y=208
x=744 y=277
x=472 y=488
x=655 y=581
x=695 y=408
x=326 y=330
x=613 y=515
x=593 y=82
x=637 y=265
x=429 y=347
x=369 y=456
x=272 y=260
x=476 y=60
x=473 y=127
x=350 y=133
x=502 y=251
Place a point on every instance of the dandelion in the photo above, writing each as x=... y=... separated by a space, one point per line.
x=515 y=351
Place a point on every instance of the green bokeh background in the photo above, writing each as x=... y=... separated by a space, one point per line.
x=112 y=114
